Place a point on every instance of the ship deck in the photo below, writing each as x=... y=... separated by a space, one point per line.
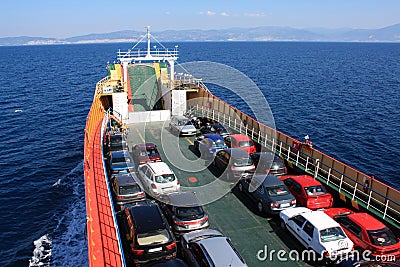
x=234 y=214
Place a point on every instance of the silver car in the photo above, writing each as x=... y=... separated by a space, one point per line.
x=211 y=247
x=182 y=126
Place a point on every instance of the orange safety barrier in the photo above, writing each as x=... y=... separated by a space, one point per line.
x=103 y=245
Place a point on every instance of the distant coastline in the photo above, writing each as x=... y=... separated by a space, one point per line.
x=268 y=33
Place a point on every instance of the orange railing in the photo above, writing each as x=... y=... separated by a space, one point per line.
x=104 y=248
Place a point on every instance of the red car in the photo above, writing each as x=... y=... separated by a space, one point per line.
x=143 y=153
x=240 y=141
x=308 y=191
x=366 y=232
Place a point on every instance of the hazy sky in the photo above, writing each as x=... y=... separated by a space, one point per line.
x=66 y=18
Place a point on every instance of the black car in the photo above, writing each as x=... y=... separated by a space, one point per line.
x=269 y=163
x=270 y=193
x=167 y=263
x=117 y=142
x=184 y=212
x=149 y=236
x=215 y=128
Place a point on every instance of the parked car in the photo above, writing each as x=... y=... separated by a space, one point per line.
x=126 y=188
x=366 y=232
x=208 y=144
x=236 y=162
x=270 y=193
x=210 y=248
x=268 y=162
x=240 y=141
x=121 y=162
x=157 y=178
x=143 y=153
x=182 y=126
x=317 y=231
x=184 y=212
x=147 y=241
x=215 y=128
x=308 y=191
x=117 y=142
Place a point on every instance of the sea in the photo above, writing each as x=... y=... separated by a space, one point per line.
x=345 y=96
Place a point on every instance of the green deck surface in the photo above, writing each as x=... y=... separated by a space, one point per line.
x=233 y=214
x=144 y=87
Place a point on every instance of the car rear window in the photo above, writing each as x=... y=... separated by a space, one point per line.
x=121 y=160
x=152 y=152
x=165 y=178
x=315 y=190
x=383 y=237
x=277 y=191
x=157 y=237
x=130 y=189
x=242 y=162
x=218 y=143
x=332 y=234
x=189 y=212
x=245 y=143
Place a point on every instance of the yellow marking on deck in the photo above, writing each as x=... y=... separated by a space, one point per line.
x=189 y=141
x=140 y=136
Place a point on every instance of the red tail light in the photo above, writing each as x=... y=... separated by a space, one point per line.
x=204 y=219
x=153 y=186
x=120 y=197
x=293 y=202
x=141 y=194
x=275 y=204
x=177 y=181
x=171 y=246
x=131 y=170
x=114 y=172
x=137 y=252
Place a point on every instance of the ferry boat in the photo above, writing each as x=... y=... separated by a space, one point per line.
x=141 y=92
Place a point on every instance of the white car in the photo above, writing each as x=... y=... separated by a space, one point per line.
x=316 y=231
x=157 y=178
x=182 y=126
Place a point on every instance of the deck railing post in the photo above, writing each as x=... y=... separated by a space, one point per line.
x=265 y=141
x=297 y=157
x=280 y=148
x=288 y=154
x=341 y=181
x=354 y=193
x=386 y=206
x=229 y=121
x=259 y=134
x=329 y=175
x=273 y=145
x=316 y=169
x=306 y=167
x=252 y=134
x=369 y=198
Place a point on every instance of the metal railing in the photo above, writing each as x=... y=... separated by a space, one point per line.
x=138 y=53
x=376 y=201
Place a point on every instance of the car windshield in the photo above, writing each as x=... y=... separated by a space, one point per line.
x=189 y=212
x=184 y=122
x=383 y=237
x=242 y=162
x=315 y=190
x=245 y=143
x=130 y=189
x=332 y=234
x=165 y=178
x=218 y=143
x=277 y=191
x=156 y=237
x=152 y=152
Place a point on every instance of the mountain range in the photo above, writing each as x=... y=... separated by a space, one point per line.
x=267 y=33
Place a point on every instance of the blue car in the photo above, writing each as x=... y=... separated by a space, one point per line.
x=208 y=144
x=121 y=162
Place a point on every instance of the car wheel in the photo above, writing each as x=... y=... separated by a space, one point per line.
x=240 y=187
x=283 y=225
x=260 y=207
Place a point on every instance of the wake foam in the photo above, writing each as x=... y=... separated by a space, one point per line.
x=42 y=252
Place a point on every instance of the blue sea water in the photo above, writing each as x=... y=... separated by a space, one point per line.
x=344 y=95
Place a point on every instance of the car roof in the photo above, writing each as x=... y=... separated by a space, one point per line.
x=146 y=145
x=320 y=219
x=213 y=137
x=367 y=221
x=240 y=137
x=221 y=252
x=182 y=199
x=270 y=180
x=120 y=154
x=147 y=217
x=160 y=168
x=236 y=152
x=304 y=180
x=126 y=179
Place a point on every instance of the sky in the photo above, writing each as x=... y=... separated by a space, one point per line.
x=67 y=18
